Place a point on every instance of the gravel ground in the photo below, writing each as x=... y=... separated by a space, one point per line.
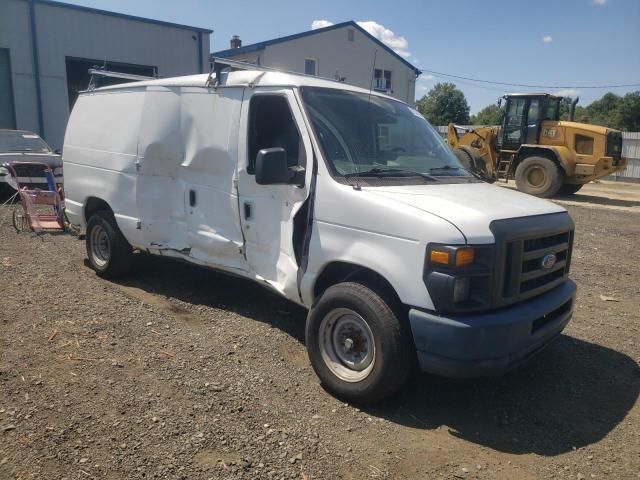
x=180 y=372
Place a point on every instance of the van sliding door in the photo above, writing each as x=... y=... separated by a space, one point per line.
x=187 y=157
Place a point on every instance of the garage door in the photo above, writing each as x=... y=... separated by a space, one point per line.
x=7 y=112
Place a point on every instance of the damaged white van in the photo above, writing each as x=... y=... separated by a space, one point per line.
x=342 y=200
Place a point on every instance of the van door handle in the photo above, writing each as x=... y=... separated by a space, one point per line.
x=247 y=210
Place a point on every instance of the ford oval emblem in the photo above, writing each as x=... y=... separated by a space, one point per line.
x=548 y=261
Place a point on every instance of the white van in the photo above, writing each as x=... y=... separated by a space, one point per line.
x=342 y=200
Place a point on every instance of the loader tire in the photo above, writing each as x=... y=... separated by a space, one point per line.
x=539 y=176
x=110 y=255
x=473 y=163
x=466 y=159
x=570 y=188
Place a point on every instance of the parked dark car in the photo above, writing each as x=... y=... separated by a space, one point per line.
x=25 y=146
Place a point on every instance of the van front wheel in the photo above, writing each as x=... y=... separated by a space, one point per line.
x=358 y=346
x=108 y=251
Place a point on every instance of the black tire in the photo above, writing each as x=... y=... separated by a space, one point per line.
x=19 y=221
x=570 y=188
x=473 y=163
x=393 y=359
x=466 y=159
x=539 y=176
x=110 y=255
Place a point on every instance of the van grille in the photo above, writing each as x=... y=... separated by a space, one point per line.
x=521 y=272
x=524 y=269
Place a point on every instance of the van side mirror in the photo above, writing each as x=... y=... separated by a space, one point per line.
x=272 y=169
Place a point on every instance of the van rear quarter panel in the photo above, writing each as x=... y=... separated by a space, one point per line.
x=100 y=154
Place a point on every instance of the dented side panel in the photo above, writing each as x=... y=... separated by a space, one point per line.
x=186 y=171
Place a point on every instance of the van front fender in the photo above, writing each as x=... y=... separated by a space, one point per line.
x=392 y=259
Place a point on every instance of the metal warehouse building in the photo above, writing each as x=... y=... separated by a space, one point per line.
x=47 y=47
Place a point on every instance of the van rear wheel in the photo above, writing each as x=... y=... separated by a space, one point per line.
x=110 y=255
x=539 y=176
x=358 y=346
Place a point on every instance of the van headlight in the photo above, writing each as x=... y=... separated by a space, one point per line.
x=458 y=277
x=452 y=256
x=4 y=171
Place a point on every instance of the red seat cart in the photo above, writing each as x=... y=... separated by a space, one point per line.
x=41 y=206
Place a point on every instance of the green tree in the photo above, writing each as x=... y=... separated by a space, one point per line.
x=444 y=103
x=489 y=115
x=605 y=111
x=581 y=114
x=565 y=108
x=613 y=111
x=629 y=112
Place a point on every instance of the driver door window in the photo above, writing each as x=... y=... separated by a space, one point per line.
x=514 y=121
x=271 y=124
x=533 y=119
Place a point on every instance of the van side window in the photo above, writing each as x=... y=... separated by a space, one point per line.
x=271 y=124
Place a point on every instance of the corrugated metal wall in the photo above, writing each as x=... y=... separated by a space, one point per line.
x=630 y=150
x=43 y=34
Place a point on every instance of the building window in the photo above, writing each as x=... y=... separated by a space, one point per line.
x=310 y=66
x=383 y=137
x=382 y=80
x=350 y=35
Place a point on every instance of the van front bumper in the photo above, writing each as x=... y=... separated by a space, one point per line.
x=493 y=343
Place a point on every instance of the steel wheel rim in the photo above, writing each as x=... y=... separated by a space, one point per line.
x=100 y=246
x=347 y=345
x=19 y=220
x=536 y=176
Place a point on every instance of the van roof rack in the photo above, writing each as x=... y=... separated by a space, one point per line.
x=98 y=72
x=217 y=65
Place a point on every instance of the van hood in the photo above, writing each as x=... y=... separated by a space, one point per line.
x=469 y=207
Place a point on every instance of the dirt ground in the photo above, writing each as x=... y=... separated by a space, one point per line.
x=180 y=372
x=602 y=194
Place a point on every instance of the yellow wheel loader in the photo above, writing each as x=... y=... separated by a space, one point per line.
x=544 y=154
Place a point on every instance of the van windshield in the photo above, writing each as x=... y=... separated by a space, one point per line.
x=370 y=136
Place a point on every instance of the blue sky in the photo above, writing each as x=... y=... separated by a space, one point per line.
x=542 y=42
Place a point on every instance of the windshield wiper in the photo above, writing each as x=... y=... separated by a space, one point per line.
x=446 y=167
x=390 y=172
x=450 y=167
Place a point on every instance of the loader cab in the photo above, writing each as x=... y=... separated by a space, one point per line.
x=524 y=113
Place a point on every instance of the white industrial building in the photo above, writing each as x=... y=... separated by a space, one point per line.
x=47 y=47
x=344 y=51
